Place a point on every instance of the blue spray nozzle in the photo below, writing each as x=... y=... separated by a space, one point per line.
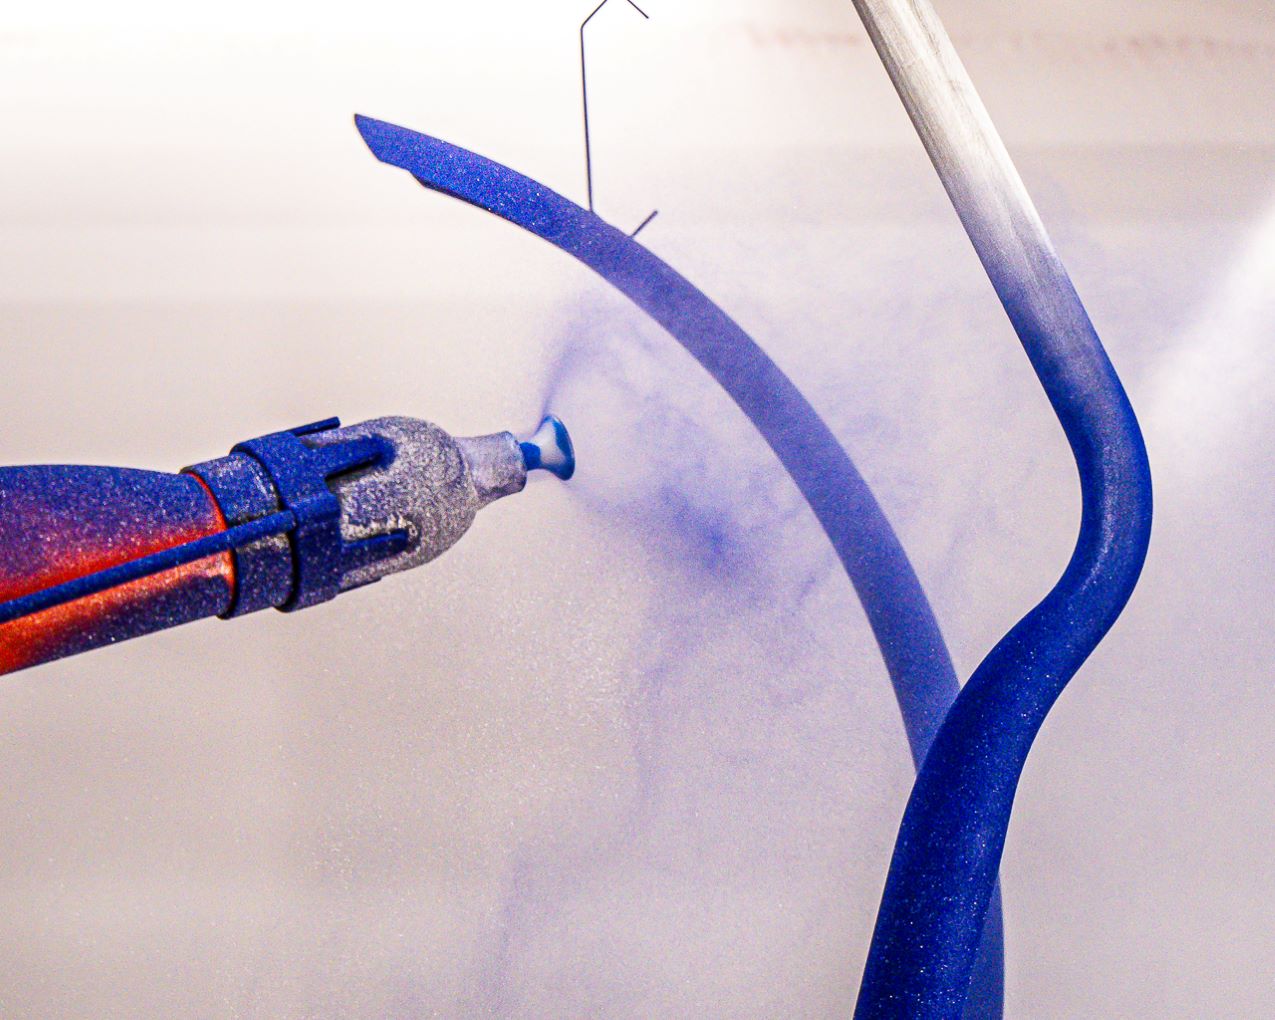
x=550 y=448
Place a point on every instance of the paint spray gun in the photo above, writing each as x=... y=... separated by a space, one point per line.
x=94 y=555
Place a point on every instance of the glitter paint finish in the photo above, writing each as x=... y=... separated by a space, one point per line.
x=426 y=489
x=949 y=845
x=62 y=522
x=96 y=555
x=902 y=621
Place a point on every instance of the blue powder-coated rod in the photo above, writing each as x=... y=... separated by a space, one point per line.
x=900 y=615
x=953 y=831
x=145 y=566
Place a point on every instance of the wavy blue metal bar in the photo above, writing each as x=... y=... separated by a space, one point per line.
x=950 y=842
x=902 y=621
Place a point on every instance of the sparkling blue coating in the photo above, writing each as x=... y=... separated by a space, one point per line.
x=144 y=566
x=902 y=621
x=244 y=492
x=63 y=525
x=320 y=556
x=90 y=531
x=953 y=831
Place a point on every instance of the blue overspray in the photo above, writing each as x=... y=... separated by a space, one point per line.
x=744 y=711
x=898 y=612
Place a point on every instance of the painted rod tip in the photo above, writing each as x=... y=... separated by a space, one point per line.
x=550 y=448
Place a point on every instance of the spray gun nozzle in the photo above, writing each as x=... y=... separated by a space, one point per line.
x=550 y=448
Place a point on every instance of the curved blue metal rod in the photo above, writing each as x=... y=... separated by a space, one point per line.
x=950 y=842
x=902 y=621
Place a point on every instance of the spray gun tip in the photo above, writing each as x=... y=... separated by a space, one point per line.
x=550 y=448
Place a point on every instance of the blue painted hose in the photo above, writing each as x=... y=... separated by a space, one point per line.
x=902 y=621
